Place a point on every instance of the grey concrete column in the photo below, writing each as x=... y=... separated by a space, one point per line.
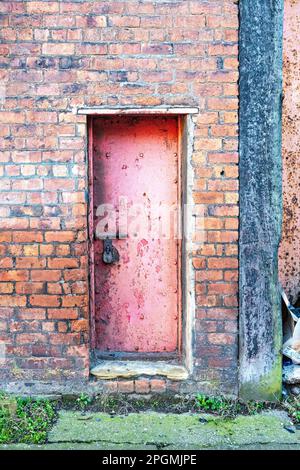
x=260 y=43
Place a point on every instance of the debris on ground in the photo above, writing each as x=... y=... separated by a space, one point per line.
x=291 y=342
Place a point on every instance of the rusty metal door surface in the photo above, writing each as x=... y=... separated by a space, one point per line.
x=135 y=183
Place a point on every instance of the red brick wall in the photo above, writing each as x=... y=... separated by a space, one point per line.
x=61 y=55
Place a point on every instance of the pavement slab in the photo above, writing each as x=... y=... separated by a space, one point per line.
x=152 y=431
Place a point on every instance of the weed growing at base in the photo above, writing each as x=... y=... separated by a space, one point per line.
x=25 y=420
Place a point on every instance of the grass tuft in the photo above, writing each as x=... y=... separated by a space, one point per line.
x=25 y=420
x=229 y=408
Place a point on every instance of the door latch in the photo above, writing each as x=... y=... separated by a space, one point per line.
x=110 y=253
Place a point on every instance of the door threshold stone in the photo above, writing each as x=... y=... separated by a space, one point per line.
x=128 y=369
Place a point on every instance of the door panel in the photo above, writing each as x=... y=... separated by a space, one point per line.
x=137 y=297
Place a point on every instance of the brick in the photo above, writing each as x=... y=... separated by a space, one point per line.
x=29 y=287
x=191 y=49
x=231 y=276
x=74 y=301
x=6 y=288
x=157 y=386
x=27 y=338
x=41 y=116
x=27 y=185
x=222 y=236
x=223 y=130
x=11 y=117
x=209 y=118
x=231 y=301
x=44 y=300
x=12 y=301
x=223 y=49
x=13 y=198
x=208 y=144
x=221 y=362
x=54 y=288
x=110 y=386
x=209 y=197
x=126 y=386
x=79 y=325
x=63 y=313
x=231 y=224
x=231 y=198
x=159 y=49
x=229 y=117
x=42 y=7
x=201 y=289
x=91 y=49
x=62 y=250
x=5 y=236
x=212 y=223
x=222 y=288
x=56 y=185
x=225 y=211
x=209 y=300
x=209 y=351
x=6 y=263
x=197 y=7
x=45 y=275
x=62 y=263
x=31 y=314
x=142 y=386
x=124 y=21
x=62 y=327
x=75 y=274
x=31 y=250
x=58 y=49
x=14 y=275
x=46 y=250
x=222 y=103
x=79 y=287
x=222 y=263
x=221 y=338
x=30 y=263
x=228 y=171
x=199 y=263
x=209 y=275
x=60 y=236
x=208 y=326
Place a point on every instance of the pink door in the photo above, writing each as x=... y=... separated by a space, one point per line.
x=135 y=202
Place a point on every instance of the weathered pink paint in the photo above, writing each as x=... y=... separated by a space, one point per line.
x=289 y=253
x=137 y=300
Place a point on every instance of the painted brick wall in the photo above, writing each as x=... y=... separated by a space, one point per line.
x=57 y=56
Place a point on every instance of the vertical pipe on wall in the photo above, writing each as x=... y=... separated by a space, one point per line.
x=260 y=42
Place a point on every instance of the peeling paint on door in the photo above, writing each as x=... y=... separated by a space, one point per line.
x=137 y=299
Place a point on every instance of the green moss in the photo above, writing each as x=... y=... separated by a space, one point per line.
x=267 y=388
x=25 y=420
